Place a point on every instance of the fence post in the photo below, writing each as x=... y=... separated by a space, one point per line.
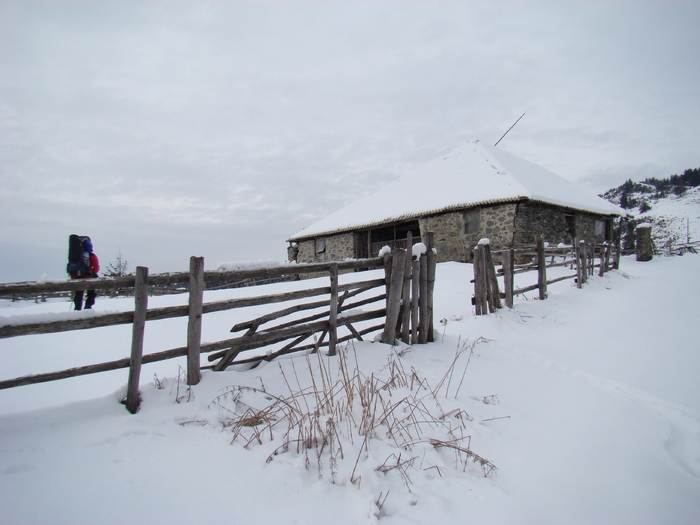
x=541 y=269
x=604 y=255
x=479 y=281
x=415 y=295
x=424 y=313
x=140 y=308
x=432 y=270
x=493 y=294
x=406 y=303
x=194 y=324
x=333 y=315
x=393 y=300
x=579 y=263
x=508 y=281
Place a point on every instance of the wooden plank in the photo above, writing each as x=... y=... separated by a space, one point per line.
x=394 y=296
x=423 y=313
x=267 y=338
x=541 y=269
x=525 y=289
x=333 y=315
x=566 y=262
x=562 y=278
x=406 y=293
x=476 y=268
x=314 y=347
x=480 y=302
x=65 y=374
x=508 y=276
x=194 y=322
x=354 y=332
x=255 y=323
x=108 y=283
x=605 y=261
x=492 y=292
x=164 y=356
x=432 y=271
x=140 y=307
x=169 y=312
x=579 y=264
x=341 y=308
x=92 y=369
x=415 y=295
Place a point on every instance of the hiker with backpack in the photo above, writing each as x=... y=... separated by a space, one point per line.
x=82 y=264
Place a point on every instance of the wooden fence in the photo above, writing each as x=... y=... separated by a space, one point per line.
x=583 y=258
x=405 y=307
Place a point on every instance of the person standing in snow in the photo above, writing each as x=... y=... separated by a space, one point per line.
x=85 y=267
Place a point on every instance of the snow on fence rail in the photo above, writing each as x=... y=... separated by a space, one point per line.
x=404 y=303
x=581 y=257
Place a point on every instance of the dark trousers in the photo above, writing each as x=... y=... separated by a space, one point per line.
x=89 y=301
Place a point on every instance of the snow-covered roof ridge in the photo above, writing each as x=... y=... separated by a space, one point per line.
x=472 y=174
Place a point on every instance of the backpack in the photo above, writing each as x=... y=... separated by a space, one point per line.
x=79 y=248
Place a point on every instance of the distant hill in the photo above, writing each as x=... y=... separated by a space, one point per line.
x=670 y=205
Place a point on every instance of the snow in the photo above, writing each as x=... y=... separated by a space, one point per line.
x=675 y=219
x=587 y=403
x=419 y=249
x=250 y=265
x=470 y=175
x=384 y=251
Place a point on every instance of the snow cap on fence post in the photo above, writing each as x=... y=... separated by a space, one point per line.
x=419 y=249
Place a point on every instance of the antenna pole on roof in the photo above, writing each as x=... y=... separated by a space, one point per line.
x=506 y=133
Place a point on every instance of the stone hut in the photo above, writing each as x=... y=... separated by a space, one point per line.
x=471 y=192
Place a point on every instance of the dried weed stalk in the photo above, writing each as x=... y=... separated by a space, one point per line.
x=342 y=414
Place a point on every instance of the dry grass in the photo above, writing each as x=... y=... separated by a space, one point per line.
x=340 y=420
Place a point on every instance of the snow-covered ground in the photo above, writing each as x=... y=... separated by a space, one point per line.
x=588 y=404
x=676 y=218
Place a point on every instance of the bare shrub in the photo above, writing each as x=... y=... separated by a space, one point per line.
x=341 y=420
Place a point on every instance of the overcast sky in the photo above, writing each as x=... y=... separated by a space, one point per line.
x=177 y=128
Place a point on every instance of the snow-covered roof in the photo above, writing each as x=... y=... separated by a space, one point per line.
x=470 y=175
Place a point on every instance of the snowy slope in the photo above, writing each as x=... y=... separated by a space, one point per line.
x=675 y=218
x=587 y=403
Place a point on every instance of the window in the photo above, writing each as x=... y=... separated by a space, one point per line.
x=600 y=227
x=570 y=224
x=320 y=245
x=470 y=223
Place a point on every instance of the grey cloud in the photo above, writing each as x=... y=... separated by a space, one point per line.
x=167 y=129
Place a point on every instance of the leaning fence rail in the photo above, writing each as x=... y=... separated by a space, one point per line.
x=341 y=309
x=582 y=259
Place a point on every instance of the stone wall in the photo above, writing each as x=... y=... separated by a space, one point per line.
x=338 y=248
x=558 y=225
x=505 y=225
x=453 y=244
